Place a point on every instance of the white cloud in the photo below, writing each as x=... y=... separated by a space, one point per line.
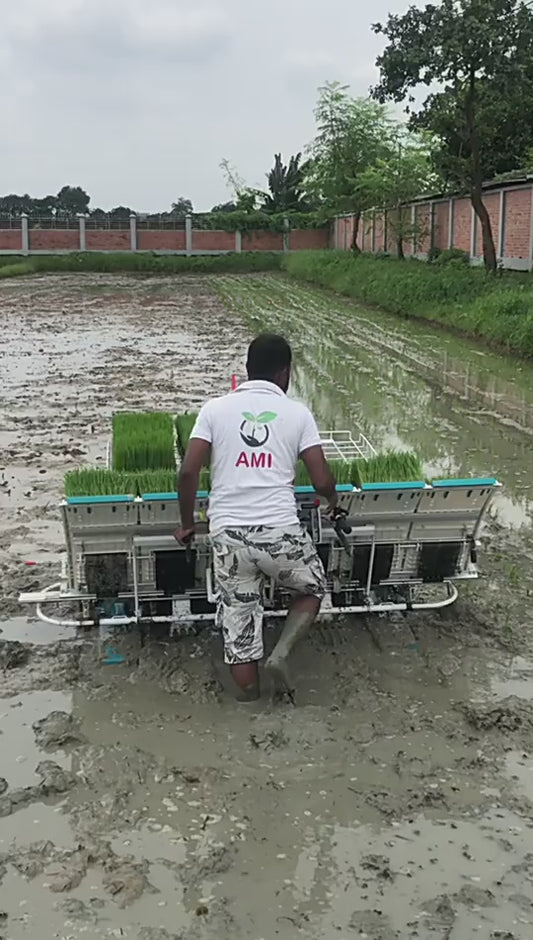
x=138 y=102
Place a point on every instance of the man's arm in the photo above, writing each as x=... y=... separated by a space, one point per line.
x=197 y=454
x=320 y=474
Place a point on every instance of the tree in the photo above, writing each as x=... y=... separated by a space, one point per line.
x=120 y=212
x=479 y=53
x=245 y=197
x=351 y=137
x=72 y=200
x=13 y=205
x=45 y=207
x=403 y=172
x=286 y=186
x=181 y=208
x=224 y=207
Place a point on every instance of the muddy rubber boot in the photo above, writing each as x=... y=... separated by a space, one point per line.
x=249 y=694
x=297 y=626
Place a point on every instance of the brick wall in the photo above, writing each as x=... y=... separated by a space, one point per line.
x=107 y=241
x=10 y=239
x=54 y=239
x=423 y=224
x=262 y=241
x=441 y=224
x=213 y=241
x=365 y=234
x=492 y=202
x=306 y=239
x=157 y=240
x=462 y=224
x=517 y=225
x=380 y=233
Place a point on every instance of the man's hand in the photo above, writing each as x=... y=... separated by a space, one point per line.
x=185 y=536
x=331 y=508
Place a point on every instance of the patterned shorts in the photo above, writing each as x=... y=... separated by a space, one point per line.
x=243 y=559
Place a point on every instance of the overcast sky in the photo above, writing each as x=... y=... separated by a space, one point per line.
x=139 y=100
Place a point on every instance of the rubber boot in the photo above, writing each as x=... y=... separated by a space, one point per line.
x=296 y=626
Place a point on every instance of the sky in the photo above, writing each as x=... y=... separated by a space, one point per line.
x=138 y=101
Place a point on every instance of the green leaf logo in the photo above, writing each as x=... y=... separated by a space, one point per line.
x=266 y=417
x=248 y=416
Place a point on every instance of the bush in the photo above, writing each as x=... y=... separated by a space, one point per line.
x=499 y=310
x=433 y=254
x=452 y=256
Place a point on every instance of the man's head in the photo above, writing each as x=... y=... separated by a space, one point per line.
x=269 y=358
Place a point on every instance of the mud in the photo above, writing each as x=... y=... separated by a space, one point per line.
x=393 y=801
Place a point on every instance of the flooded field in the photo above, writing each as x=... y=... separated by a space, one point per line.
x=395 y=800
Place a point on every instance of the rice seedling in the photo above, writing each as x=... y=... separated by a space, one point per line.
x=143 y=441
x=204 y=482
x=184 y=426
x=391 y=467
x=96 y=482
x=156 y=481
x=498 y=310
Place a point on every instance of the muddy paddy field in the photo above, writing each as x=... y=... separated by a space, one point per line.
x=395 y=800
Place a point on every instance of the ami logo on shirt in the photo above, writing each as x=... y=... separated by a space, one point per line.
x=255 y=433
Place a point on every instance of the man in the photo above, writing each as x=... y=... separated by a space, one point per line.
x=253 y=438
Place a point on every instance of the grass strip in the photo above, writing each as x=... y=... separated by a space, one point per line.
x=148 y=263
x=143 y=441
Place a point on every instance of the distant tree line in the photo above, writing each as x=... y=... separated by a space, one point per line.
x=71 y=201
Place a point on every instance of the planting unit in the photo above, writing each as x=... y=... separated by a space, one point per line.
x=399 y=546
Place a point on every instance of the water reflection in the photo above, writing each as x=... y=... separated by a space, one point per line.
x=468 y=412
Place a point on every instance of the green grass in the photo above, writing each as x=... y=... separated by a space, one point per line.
x=143 y=263
x=184 y=426
x=496 y=309
x=16 y=269
x=143 y=441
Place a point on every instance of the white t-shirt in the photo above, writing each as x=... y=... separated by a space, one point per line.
x=256 y=434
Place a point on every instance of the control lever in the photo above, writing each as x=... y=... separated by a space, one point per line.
x=342 y=528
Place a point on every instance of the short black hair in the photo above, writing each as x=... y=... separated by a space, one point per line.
x=268 y=354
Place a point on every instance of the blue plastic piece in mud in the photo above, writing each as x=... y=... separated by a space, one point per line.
x=112 y=658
